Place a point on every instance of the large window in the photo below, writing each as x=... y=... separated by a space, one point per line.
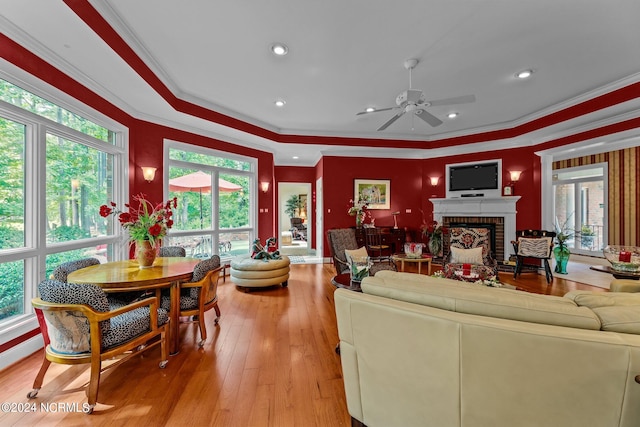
x=580 y=206
x=57 y=167
x=215 y=192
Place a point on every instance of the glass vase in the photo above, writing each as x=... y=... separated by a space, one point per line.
x=561 y=255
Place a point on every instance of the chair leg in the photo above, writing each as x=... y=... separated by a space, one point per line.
x=217 y=309
x=164 y=350
x=547 y=271
x=37 y=384
x=94 y=381
x=203 y=330
x=518 y=268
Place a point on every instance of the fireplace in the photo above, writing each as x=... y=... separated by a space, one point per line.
x=497 y=213
x=494 y=225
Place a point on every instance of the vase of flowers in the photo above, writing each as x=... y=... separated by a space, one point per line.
x=359 y=210
x=435 y=233
x=145 y=224
x=561 y=252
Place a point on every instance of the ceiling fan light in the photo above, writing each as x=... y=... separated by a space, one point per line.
x=524 y=74
x=369 y=110
x=452 y=115
x=279 y=49
x=280 y=102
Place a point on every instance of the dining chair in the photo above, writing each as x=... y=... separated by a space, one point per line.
x=85 y=327
x=61 y=272
x=199 y=295
x=376 y=247
x=167 y=251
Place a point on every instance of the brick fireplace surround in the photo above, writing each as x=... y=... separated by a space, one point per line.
x=499 y=213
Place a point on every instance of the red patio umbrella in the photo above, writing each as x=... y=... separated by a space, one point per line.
x=200 y=182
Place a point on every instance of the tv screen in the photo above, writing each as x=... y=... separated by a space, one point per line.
x=473 y=177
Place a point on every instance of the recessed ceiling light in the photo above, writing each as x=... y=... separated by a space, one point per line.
x=295 y=157
x=280 y=103
x=524 y=74
x=452 y=115
x=279 y=49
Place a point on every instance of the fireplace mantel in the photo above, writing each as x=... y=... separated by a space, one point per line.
x=504 y=207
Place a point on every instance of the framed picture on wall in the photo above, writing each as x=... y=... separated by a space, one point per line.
x=375 y=192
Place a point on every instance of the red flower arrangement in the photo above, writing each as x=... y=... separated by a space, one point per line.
x=146 y=222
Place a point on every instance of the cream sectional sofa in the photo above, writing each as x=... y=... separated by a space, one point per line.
x=426 y=351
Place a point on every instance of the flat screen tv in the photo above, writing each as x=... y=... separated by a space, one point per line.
x=481 y=176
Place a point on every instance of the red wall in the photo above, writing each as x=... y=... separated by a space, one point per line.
x=528 y=187
x=146 y=149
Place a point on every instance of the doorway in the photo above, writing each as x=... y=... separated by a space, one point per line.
x=294 y=207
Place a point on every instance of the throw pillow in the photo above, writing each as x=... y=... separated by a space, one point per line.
x=349 y=254
x=466 y=256
x=537 y=247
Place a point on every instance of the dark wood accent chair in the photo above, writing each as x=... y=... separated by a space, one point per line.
x=536 y=244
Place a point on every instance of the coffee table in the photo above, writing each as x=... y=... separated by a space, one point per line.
x=402 y=258
x=617 y=274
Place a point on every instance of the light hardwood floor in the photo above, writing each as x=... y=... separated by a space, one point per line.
x=270 y=362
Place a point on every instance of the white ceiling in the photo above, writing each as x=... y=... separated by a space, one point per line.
x=346 y=55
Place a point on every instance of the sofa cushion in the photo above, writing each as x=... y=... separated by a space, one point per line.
x=625 y=319
x=480 y=300
x=603 y=299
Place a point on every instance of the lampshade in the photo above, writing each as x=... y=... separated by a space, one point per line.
x=515 y=175
x=264 y=185
x=148 y=173
x=434 y=180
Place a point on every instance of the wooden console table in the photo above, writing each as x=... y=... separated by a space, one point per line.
x=395 y=238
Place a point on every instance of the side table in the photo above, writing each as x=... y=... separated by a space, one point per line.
x=344 y=281
x=402 y=258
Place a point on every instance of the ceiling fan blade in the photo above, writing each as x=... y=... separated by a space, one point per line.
x=428 y=117
x=375 y=111
x=391 y=120
x=465 y=99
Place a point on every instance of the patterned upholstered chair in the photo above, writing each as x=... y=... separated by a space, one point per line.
x=470 y=246
x=341 y=239
x=167 y=251
x=536 y=244
x=85 y=327
x=199 y=295
x=62 y=271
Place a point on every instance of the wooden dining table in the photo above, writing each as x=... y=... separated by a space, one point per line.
x=127 y=276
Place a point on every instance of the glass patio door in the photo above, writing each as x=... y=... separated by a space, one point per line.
x=580 y=206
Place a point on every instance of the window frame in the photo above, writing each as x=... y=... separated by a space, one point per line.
x=252 y=174
x=36 y=250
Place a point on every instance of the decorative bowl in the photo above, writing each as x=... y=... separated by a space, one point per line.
x=623 y=258
x=413 y=250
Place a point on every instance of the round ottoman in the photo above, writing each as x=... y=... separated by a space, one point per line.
x=256 y=273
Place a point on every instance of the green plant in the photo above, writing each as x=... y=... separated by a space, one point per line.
x=293 y=206
x=563 y=233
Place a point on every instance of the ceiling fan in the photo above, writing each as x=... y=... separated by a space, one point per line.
x=413 y=101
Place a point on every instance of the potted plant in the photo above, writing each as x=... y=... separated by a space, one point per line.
x=586 y=236
x=293 y=206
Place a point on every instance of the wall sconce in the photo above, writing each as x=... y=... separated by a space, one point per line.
x=264 y=185
x=148 y=173
x=515 y=175
x=434 y=181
